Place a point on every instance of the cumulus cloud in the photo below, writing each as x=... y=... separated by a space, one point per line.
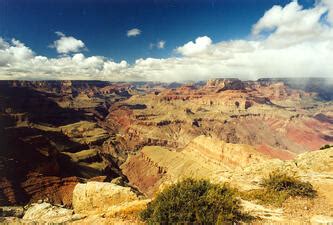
x=329 y=5
x=67 y=44
x=133 y=32
x=285 y=41
x=193 y=48
x=292 y=24
x=17 y=61
x=13 y=52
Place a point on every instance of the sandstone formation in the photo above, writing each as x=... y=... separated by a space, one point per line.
x=93 y=203
x=100 y=196
x=203 y=157
x=278 y=120
x=45 y=212
x=117 y=204
x=225 y=84
x=321 y=220
x=11 y=211
x=222 y=153
x=171 y=165
x=51 y=138
x=95 y=145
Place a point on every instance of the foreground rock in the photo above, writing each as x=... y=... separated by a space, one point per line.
x=321 y=220
x=93 y=203
x=99 y=196
x=11 y=211
x=264 y=213
x=111 y=200
x=47 y=213
x=156 y=167
x=39 y=213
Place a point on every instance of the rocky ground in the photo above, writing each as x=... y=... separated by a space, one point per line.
x=93 y=203
x=109 y=203
x=93 y=152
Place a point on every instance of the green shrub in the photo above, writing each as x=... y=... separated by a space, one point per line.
x=325 y=147
x=278 y=187
x=281 y=182
x=195 y=201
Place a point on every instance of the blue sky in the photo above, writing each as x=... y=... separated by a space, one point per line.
x=102 y=25
x=169 y=40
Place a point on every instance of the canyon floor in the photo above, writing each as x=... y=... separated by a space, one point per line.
x=95 y=152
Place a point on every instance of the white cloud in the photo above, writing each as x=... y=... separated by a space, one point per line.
x=13 y=52
x=329 y=5
x=19 y=62
x=161 y=44
x=67 y=44
x=133 y=32
x=286 y=41
x=291 y=25
x=60 y=34
x=193 y=48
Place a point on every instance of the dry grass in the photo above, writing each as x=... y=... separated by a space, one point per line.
x=278 y=187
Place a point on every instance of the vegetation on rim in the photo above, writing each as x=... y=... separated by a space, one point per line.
x=278 y=187
x=326 y=146
x=195 y=201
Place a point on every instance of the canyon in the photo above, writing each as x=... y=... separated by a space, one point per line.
x=137 y=137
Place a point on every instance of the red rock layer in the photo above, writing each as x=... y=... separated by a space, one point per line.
x=36 y=187
x=143 y=174
x=275 y=153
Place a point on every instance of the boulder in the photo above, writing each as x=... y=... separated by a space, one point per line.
x=321 y=220
x=11 y=211
x=47 y=213
x=100 y=196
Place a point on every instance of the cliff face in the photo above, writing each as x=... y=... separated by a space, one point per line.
x=210 y=158
x=219 y=85
x=52 y=138
x=222 y=153
x=64 y=132
x=99 y=196
x=272 y=116
x=55 y=135
x=203 y=157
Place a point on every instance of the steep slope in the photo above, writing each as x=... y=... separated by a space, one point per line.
x=275 y=118
x=51 y=138
x=203 y=157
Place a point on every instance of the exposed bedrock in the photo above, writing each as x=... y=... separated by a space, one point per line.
x=52 y=136
x=273 y=116
x=201 y=158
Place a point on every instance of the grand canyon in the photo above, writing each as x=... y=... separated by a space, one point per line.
x=86 y=152
x=211 y=112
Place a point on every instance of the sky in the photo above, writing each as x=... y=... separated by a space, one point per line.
x=165 y=40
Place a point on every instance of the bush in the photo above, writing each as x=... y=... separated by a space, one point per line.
x=325 y=147
x=195 y=201
x=281 y=182
x=278 y=187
